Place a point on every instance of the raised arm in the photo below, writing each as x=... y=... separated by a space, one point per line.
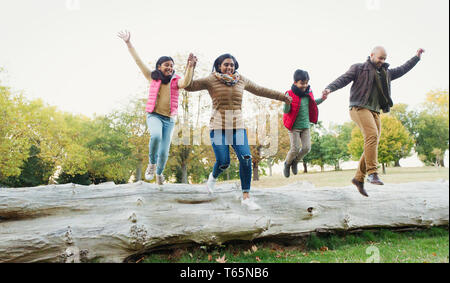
x=125 y=35
x=265 y=92
x=403 y=69
x=189 y=74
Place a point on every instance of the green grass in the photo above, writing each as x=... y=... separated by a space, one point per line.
x=342 y=178
x=430 y=245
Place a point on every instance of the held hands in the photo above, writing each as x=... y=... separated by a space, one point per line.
x=325 y=93
x=419 y=52
x=125 y=35
x=192 y=60
x=287 y=99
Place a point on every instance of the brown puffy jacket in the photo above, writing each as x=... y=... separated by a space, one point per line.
x=363 y=75
x=227 y=100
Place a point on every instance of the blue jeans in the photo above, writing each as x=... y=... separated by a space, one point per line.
x=161 y=129
x=221 y=140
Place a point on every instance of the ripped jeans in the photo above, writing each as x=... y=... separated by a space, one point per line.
x=237 y=138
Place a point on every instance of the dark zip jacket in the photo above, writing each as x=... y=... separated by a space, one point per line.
x=363 y=76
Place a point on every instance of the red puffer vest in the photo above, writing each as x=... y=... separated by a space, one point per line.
x=289 y=118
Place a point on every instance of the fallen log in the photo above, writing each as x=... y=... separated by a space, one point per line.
x=73 y=223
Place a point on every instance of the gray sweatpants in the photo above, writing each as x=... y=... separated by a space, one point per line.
x=300 y=145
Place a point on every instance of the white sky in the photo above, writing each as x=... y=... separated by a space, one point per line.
x=71 y=58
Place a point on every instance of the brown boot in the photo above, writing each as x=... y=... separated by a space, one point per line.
x=373 y=179
x=360 y=186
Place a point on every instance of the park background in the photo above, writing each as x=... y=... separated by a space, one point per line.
x=72 y=99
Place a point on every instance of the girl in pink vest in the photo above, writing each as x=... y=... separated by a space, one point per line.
x=297 y=118
x=162 y=106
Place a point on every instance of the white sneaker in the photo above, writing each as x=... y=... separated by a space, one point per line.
x=160 y=180
x=150 y=172
x=250 y=204
x=211 y=183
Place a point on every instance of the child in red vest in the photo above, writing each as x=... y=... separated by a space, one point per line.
x=297 y=118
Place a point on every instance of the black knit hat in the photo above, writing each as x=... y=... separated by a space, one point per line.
x=301 y=75
x=221 y=58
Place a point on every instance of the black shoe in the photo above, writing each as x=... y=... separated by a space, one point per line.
x=360 y=186
x=294 y=167
x=373 y=179
x=286 y=170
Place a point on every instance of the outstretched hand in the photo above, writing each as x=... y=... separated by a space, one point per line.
x=419 y=52
x=125 y=35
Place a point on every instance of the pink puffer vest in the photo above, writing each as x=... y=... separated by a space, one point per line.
x=153 y=94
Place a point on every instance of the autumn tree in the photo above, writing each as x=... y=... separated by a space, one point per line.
x=14 y=133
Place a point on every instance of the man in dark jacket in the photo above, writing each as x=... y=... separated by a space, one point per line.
x=370 y=93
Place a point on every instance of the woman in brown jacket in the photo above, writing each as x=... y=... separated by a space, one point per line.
x=226 y=88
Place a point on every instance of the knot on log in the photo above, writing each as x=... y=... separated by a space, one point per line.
x=72 y=255
x=68 y=236
x=133 y=218
x=139 y=202
x=138 y=236
x=346 y=221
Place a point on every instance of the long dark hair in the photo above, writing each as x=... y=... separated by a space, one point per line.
x=221 y=58
x=157 y=74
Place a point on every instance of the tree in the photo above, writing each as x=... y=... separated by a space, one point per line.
x=334 y=144
x=437 y=103
x=131 y=121
x=14 y=133
x=264 y=133
x=432 y=135
x=110 y=151
x=408 y=119
x=283 y=145
x=317 y=153
x=33 y=172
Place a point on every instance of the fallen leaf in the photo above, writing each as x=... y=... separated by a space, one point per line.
x=258 y=259
x=434 y=254
x=221 y=259
x=254 y=248
x=324 y=249
x=305 y=254
x=278 y=256
x=209 y=257
x=191 y=255
x=247 y=252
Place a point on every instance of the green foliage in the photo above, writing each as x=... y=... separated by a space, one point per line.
x=34 y=171
x=432 y=133
x=14 y=133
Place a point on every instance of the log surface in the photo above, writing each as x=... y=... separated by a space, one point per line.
x=72 y=223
